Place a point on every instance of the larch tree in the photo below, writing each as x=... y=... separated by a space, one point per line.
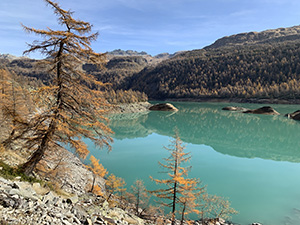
x=177 y=185
x=72 y=107
x=212 y=207
x=141 y=197
x=114 y=185
x=15 y=101
x=219 y=207
x=188 y=200
x=97 y=170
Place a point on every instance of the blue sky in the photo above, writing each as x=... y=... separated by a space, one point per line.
x=154 y=26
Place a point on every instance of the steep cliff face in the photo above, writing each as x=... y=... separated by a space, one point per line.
x=253 y=38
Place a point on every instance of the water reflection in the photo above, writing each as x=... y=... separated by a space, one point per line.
x=232 y=133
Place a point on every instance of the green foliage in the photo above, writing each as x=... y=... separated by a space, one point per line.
x=11 y=173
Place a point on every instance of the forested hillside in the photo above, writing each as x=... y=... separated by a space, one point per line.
x=270 y=69
x=33 y=74
x=117 y=69
x=256 y=65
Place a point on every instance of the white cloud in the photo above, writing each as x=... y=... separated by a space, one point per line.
x=243 y=13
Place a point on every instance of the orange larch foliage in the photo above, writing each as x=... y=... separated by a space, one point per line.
x=178 y=186
x=141 y=197
x=15 y=101
x=72 y=107
x=114 y=185
x=98 y=170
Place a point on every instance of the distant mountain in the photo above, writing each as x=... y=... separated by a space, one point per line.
x=122 y=65
x=119 y=52
x=150 y=59
x=253 y=38
x=11 y=57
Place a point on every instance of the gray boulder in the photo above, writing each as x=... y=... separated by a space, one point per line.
x=163 y=107
x=295 y=115
x=266 y=110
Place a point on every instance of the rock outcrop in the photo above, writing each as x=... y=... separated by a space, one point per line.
x=132 y=107
x=267 y=110
x=163 y=107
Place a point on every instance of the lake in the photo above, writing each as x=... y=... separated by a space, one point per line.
x=253 y=160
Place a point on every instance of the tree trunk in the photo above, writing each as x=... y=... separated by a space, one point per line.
x=174 y=204
x=182 y=214
x=175 y=186
x=34 y=159
x=94 y=179
x=137 y=203
x=30 y=165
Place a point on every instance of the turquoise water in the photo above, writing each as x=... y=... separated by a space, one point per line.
x=254 y=160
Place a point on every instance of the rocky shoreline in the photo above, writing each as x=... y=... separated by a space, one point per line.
x=131 y=107
x=32 y=204
x=36 y=203
x=235 y=100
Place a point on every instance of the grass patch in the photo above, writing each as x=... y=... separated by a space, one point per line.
x=11 y=173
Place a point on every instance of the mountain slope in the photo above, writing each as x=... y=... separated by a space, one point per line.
x=269 y=68
x=253 y=38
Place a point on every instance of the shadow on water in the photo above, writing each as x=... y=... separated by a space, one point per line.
x=231 y=133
